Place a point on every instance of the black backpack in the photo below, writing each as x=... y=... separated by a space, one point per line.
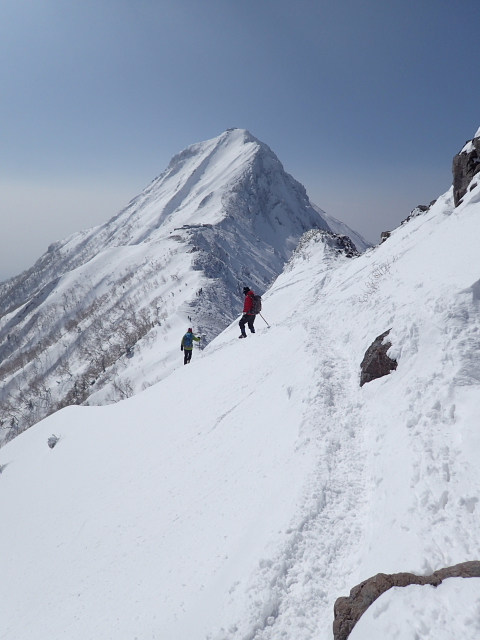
x=257 y=304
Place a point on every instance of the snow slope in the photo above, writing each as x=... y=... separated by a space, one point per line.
x=100 y=315
x=240 y=496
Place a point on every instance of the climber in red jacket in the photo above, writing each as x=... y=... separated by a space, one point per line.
x=248 y=314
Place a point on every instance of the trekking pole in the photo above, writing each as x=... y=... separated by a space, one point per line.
x=264 y=320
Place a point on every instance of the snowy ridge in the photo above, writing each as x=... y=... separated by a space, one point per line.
x=240 y=496
x=100 y=316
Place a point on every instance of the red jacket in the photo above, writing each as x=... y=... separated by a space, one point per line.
x=248 y=304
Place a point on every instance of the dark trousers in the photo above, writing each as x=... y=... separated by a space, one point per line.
x=247 y=318
x=187 y=355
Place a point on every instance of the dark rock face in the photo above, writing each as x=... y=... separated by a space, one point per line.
x=466 y=164
x=376 y=363
x=341 y=244
x=348 y=611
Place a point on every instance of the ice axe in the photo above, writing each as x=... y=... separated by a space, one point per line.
x=264 y=320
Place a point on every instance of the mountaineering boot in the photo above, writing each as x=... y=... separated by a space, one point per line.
x=242 y=336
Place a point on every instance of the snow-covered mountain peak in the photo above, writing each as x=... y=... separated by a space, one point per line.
x=224 y=154
x=197 y=186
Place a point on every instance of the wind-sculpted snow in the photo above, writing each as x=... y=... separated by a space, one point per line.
x=100 y=316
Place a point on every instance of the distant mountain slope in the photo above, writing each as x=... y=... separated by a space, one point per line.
x=239 y=497
x=101 y=314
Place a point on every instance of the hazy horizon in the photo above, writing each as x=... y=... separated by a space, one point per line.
x=364 y=104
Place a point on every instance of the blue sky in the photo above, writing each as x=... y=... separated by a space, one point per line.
x=365 y=103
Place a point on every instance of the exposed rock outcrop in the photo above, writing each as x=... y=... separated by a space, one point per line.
x=376 y=363
x=384 y=236
x=418 y=211
x=340 y=244
x=333 y=245
x=347 y=611
x=466 y=165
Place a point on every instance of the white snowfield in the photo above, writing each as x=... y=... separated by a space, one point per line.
x=239 y=497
